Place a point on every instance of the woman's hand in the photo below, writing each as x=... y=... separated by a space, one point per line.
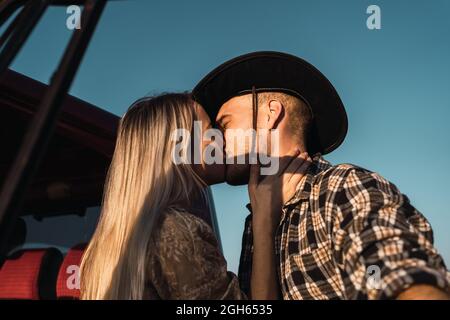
x=269 y=193
x=267 y=196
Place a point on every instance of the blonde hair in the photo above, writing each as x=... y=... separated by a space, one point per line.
x=142 y=184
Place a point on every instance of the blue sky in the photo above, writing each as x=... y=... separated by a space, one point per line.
x=394 y=82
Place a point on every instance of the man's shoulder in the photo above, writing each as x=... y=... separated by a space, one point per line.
x=347 y=175
x=343 y=170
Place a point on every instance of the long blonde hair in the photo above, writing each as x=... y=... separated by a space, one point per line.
x=142 y=183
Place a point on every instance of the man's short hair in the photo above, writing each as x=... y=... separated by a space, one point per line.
x=300 y=116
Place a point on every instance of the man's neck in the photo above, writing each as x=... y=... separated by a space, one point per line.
x=287 y=144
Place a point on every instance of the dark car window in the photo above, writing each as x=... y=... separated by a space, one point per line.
x=59 y=231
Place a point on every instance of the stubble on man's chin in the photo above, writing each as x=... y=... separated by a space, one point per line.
x=237 y=175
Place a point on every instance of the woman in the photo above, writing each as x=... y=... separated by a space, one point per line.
x=147 y=244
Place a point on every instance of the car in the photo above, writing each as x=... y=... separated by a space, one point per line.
x=62 y=203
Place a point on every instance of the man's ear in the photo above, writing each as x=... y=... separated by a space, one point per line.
x=274 y=114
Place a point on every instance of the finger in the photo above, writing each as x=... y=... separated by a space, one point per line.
x=254 y=168
x=254 y=175
x=286 y=160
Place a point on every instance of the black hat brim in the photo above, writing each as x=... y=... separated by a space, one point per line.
x=276 y=71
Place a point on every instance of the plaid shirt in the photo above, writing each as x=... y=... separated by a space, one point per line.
x=348 y=233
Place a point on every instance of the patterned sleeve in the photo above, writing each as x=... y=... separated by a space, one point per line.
x=382 y=243
x=187 y=263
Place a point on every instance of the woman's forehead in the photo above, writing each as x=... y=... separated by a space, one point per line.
x=201 y=113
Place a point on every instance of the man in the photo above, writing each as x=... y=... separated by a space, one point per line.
x=348 y=233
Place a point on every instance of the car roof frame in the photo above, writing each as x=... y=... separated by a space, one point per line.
x=44 y=121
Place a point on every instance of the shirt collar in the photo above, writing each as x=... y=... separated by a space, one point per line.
x=318 y=165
